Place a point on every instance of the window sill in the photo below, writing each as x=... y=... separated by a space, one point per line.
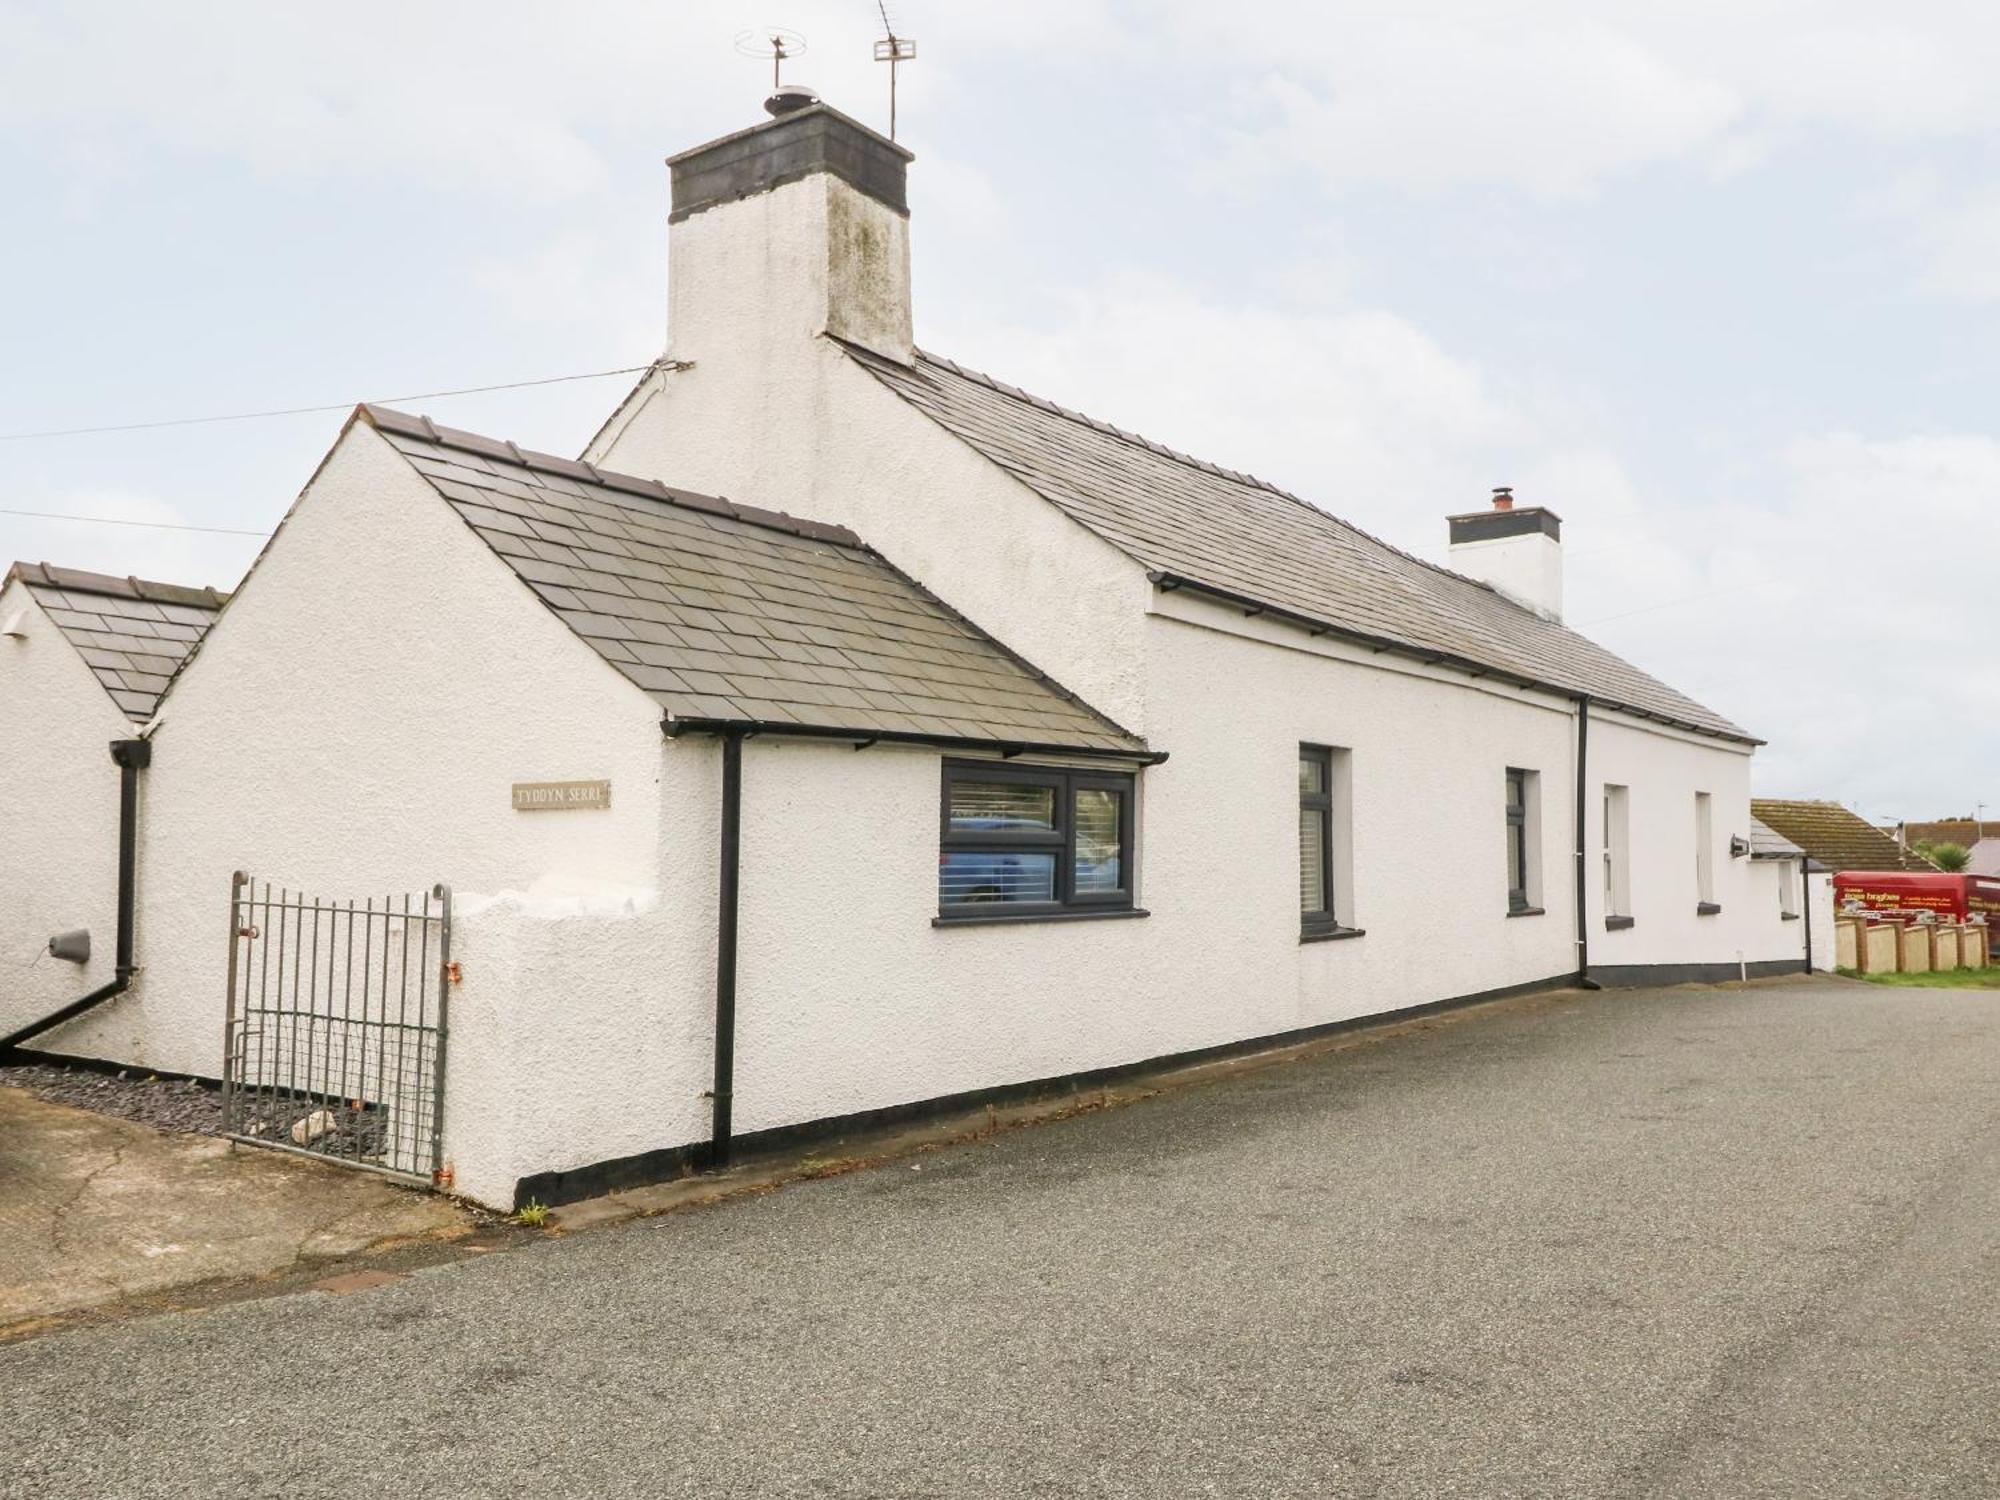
x=1788 y=916
x=1706 y=908
x=1527 y=911
x=1330 y=934
x=1016 y=918
x=1619 y=924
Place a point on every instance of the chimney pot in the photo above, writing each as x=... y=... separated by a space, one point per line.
x=789 y=97
x=1517 y=551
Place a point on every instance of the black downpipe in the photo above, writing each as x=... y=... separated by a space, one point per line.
x=1583 y=979
x=131 y=757
x=1805 y=897
x=725 y=951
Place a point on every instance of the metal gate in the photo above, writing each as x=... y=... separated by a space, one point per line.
x=335 y=1039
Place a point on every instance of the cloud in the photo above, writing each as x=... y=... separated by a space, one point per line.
x=1827 y=606
x=585 y=283
x=1353 y=407
x=1560 y=96
x=1840 y=615
x=1555 y=96
x=504 y=96
x=190 y=557
x=1429 y=107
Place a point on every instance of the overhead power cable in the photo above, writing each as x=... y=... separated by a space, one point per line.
x=52 y=515
x=299 y=411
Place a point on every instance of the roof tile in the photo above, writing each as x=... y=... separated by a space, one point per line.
x=727 y=612
x=1230 y=532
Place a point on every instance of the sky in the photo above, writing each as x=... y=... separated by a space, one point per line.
x=1718 y=282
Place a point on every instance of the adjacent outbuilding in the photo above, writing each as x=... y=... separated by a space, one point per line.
x=85 y=660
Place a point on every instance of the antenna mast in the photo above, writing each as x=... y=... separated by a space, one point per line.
x=893 y=50
x=780 y=45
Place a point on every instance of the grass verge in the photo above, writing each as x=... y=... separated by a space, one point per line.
x=1939 y=979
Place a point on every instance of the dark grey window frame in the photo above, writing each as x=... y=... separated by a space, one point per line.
x=1517 y=817
x=1066 y=782
x=1325 y=922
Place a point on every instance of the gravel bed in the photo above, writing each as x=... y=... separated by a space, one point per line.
x=132 y=1094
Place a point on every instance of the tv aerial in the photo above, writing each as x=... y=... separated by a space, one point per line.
x=775 y=43
x=893 y=50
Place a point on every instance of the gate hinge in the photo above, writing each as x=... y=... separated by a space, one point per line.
x=453 y=973
x=247 y=932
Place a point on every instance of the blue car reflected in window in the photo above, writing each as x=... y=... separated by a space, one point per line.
x=969 y=876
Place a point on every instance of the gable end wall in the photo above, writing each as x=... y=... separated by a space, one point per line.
x=58 y=819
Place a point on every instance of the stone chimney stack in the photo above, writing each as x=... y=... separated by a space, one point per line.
x=795 y=227
x=1516 y=549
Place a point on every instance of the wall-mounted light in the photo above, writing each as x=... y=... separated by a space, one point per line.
x=1739 y=846
x=15 y=626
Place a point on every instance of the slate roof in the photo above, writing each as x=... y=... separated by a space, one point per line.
x=133 y=633
x=1195 y=523
x=1836 y=837
x=727 y=613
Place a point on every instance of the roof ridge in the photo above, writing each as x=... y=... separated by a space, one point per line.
x=1207 y=466
x=111 y=586
x=502 y=451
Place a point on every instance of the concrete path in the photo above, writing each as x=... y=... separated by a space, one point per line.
x=93 y=1209
x=1716 y=1242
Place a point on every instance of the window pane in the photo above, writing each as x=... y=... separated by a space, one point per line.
x=1312 y=774
x=1099 y=861
x=1515 y=880
x=1312 y=860
x=967 y=876
x=1517 y=795
x=1002 y=805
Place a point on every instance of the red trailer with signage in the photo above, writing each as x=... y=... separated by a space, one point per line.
x=1952 y=897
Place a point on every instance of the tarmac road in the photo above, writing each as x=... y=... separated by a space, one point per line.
x=1695 y=1242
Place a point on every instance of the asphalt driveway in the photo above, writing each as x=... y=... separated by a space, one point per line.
x=1716 y=1242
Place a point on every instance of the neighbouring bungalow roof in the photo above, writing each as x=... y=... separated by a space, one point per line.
x=1836 y=837
x=1194 y=524
x=133 y=633
x=729 y=614
x=1963 y=831
x=1767 y=843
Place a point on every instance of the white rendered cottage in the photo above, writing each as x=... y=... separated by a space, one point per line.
x=1039 y=751
x=84 y=662
x=1487 y=768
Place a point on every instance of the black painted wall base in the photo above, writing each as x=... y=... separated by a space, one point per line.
x=556 y=1188
x=1633 y=976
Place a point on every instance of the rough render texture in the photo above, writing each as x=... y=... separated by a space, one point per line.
x=59 y=835
x=812 y=256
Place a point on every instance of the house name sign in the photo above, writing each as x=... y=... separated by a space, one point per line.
x=560 y=796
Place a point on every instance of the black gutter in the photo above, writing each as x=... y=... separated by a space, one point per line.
x=1426 y=655
x=863 y=738
x=1583 y=979
x=731 y=862
x=131 y=757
